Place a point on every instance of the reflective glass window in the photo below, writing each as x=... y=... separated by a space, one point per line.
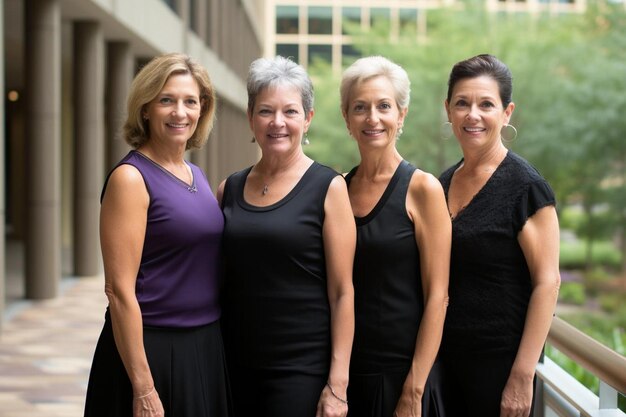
x=287 y=19
x=320 y=20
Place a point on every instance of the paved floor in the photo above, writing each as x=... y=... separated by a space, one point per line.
x=46 y=349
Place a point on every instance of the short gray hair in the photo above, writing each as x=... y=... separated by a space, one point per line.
x=369 y=67
x=267 y=73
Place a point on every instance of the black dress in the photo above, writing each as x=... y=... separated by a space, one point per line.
x=276 y=315
x=490 y=285
x=389 y=304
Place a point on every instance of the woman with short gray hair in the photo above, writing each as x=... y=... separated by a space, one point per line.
x=289 y=237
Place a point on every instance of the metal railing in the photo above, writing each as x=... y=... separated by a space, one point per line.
x=560 y=394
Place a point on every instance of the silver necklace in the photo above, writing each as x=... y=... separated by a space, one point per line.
x=265 y=189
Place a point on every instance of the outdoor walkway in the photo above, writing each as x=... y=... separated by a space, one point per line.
x=46 y=349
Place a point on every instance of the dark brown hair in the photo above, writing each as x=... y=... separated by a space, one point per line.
x=480 y=65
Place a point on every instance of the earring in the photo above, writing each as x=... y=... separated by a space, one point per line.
x=509 y=139
x=399 y=133
x=253 y=139
x=305 y=139
x=446 y=131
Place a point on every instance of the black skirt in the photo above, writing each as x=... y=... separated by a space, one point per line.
x=187 y=366
x=377 y=394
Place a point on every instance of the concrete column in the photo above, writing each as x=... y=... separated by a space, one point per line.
x=198 y=157
x=199 y=18
x=2 y=179
x=212 y=151
x=43 y=137
x=214 y=19
x=120 y=69
x=183 y=13
x=88 y=145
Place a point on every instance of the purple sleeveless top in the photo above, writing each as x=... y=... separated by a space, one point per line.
x=178 y=278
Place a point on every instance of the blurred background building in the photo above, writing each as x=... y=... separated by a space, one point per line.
x=66 y=67
x=316 y=29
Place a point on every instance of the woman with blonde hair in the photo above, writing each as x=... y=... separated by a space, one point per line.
x=160 y=352
x=402 y=253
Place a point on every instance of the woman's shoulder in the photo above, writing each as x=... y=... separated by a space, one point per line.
x=322 y=169
x=424 y=184
x=522 y=170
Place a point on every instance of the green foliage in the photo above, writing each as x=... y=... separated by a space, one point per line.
x=611 y=302
x=330 y=142
x=573 y=255
x=572 y=293
x=571 y=218
x=604 y=328
x=581 y=374
x=569 y=92
x=597 y=277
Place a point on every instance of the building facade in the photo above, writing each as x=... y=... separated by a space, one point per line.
x=67 y=66
x=316 y=29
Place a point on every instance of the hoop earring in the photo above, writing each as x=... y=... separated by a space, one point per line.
x=446 y=131
x=305 y=139
x=253 y=139
x=508 y=140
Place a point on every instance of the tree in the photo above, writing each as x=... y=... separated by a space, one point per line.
x=569 y=82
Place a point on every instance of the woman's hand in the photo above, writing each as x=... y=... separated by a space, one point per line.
x=517 y=397
x=410 y=402
x=331 y=406
x=148 y=405
x=408 y=406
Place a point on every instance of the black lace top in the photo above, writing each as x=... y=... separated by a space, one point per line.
x=490 y=282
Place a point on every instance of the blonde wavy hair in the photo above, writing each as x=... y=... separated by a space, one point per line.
x=149 y=82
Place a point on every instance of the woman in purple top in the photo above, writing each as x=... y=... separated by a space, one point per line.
x=160 y=351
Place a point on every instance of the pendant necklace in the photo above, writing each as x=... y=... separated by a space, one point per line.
x=265 y=189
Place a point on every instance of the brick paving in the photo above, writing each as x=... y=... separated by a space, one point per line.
x=46 y=349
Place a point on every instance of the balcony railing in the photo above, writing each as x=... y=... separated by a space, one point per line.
x=560 y=394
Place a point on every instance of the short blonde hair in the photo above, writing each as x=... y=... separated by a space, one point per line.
x=370 y=67
x=149 y=82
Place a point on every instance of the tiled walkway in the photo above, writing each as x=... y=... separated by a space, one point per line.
x=46 y=349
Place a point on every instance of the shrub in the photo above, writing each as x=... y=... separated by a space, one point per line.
x=572 y=293
x=604 y=253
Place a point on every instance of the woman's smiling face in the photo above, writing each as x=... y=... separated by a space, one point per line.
x=278 y=120
x=476 y=112
x=373 y=116
x=173 y=114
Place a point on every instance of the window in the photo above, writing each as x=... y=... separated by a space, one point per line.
x=171 y=4
x=408 y=21
x=351 y=18
x=287 y=19
x=320 y=20
x=349 y=54
x=288 y=50
x=320 y=52
x=193 y=11
x=379 y=16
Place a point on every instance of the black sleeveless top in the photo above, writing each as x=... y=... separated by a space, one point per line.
x=387 y=281
x=275 y=311
x=490 y=283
